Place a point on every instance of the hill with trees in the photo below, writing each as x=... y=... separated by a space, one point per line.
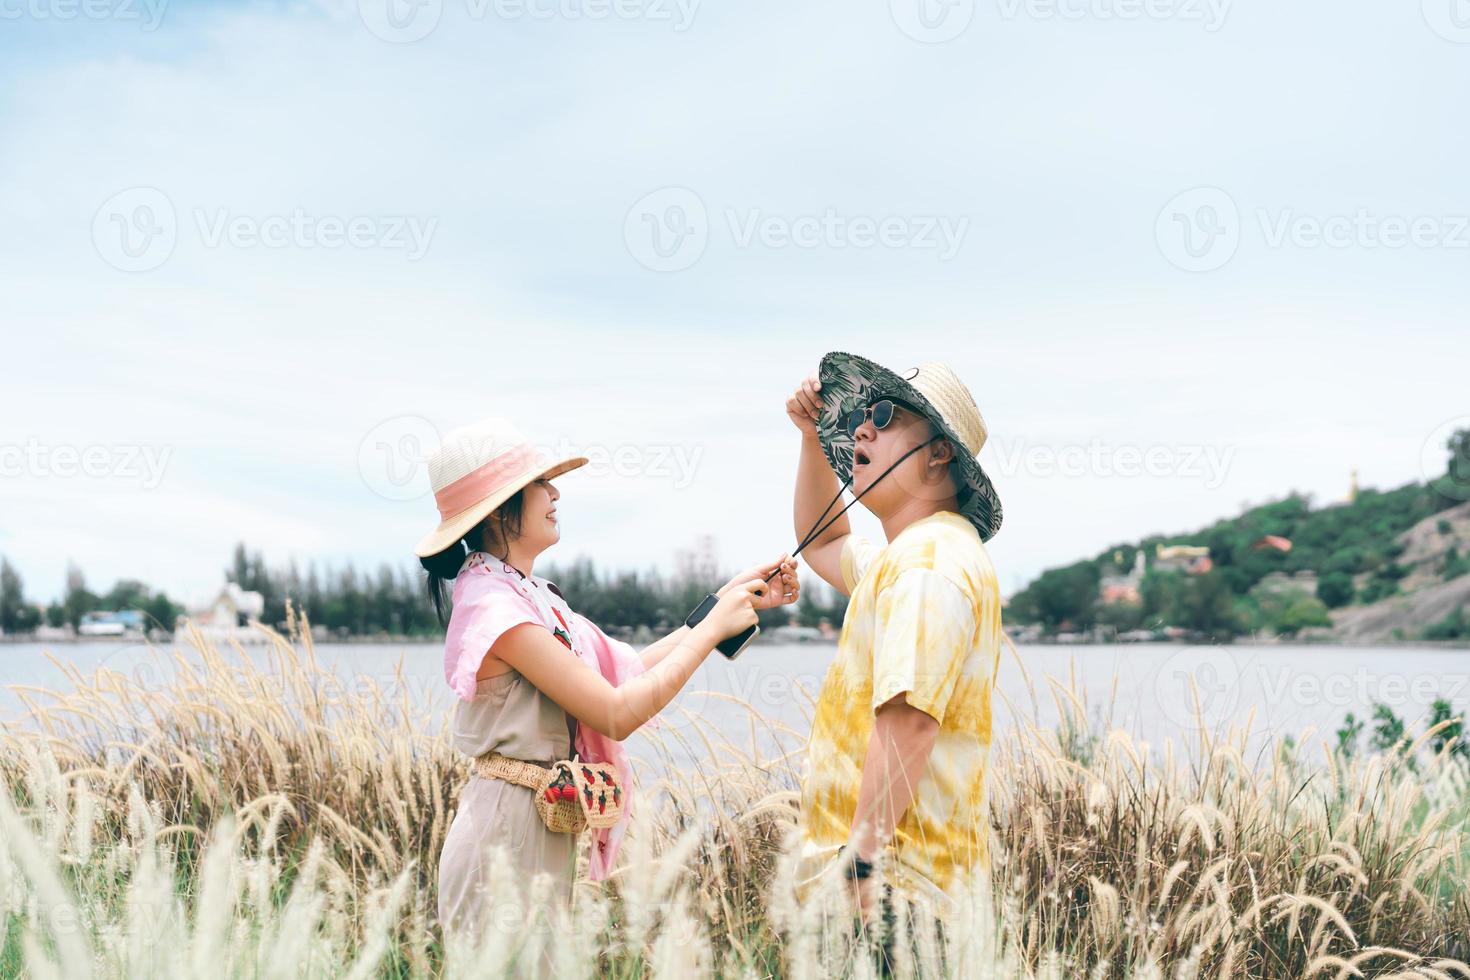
x=1395 y=560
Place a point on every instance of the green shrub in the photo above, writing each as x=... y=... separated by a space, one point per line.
x=1378 y=588
x=1453 y=733
x=1301 y=613
x=1455 y=626
x=1455 y=564
x=1347 y=736
x=1336 y=589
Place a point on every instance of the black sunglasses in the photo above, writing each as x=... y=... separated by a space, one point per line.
x=881 y=412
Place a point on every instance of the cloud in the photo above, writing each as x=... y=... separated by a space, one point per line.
x=526 y=142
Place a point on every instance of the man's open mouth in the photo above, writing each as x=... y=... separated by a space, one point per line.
x=859 y=458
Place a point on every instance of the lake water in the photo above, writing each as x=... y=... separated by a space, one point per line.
x=1146 y=689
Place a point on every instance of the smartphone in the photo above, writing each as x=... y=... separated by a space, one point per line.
x=732 y=646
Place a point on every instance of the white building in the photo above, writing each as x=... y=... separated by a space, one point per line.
x=230 y=614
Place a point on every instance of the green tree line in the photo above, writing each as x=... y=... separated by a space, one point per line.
x=19 y=615
x=392 y=600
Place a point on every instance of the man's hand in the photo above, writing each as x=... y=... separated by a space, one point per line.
x=784 y=589
x=805 y=405
x=862 y=891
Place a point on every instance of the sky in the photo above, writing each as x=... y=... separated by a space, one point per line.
x=255 y=259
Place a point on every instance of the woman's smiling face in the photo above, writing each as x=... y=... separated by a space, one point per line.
x=537 y=529
x=540 y=527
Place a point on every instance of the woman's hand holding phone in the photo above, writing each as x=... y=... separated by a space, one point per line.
x=735 y=611
x=735 y=605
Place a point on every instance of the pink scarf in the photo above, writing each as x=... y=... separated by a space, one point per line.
x=490 y=597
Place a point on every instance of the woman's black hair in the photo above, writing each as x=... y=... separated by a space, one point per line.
x=495 y=532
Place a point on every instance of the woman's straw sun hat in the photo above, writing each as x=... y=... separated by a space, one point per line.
x=476 y=469
x=850 y=382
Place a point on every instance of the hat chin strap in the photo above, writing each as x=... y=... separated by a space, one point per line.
x=814 y=532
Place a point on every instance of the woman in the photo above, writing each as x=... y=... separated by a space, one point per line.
x=536 y=681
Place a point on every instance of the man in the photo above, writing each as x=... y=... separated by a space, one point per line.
x=900 y=740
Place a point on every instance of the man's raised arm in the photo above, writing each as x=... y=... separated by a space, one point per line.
x=816 y=485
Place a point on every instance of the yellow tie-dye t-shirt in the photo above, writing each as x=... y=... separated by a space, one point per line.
x=923 y=620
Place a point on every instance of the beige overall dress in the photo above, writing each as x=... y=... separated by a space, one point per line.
x=511 y=716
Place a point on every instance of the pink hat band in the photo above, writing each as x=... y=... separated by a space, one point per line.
x=480 y=482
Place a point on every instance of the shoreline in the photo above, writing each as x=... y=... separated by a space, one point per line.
x=409 y=640
x=1326 y=642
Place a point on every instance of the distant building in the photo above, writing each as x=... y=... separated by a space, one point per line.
x=1123 y=588
x=1113 y=593
x=1187 y=558
x=126 y=623
x=230 y=610
x=699 y=563
x=1029 y=633
x=1272 y=541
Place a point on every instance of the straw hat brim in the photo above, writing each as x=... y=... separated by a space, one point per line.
x=849 y=382
x=451 y=530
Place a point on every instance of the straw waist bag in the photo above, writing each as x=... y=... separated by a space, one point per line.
x=570 y=796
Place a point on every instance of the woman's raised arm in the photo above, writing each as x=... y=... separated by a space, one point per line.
x=785 y=590
x=617 y=712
